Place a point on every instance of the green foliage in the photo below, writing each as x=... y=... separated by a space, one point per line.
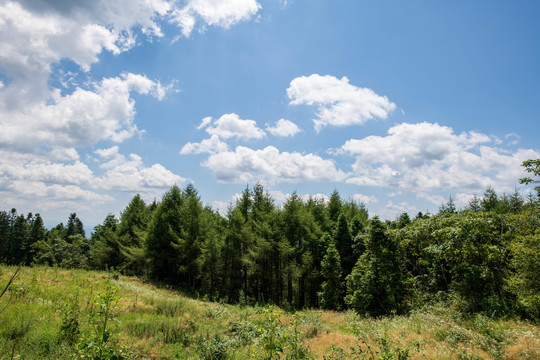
x=70 y=324
x=164 y=236
x=330 y=294
x=377 y=284
x=343 y=242
x=215 y=348
x=100 y=343
x=532 y=166
x=525 y=250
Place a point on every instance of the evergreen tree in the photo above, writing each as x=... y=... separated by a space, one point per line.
x=449 y=207
x=165 y=235
x=474 y=204
x=18 y=238
x=343 y=242
x=74 y=227
x=377 y=285
x=132 y=232
x=189 y=247
x=302 y=233
x=357 y=226
x=210 y=259
x=317 y=207
x=490 y=200
x=105 y=252
x=516 y=202
x=330 y=294
x=334 y=206
x=37 y=234
x=403 y=220
x=4 y=234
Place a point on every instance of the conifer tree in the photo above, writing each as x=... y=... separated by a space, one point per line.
x=343 y=243
x=164 y=236
x=330 y=294
x=334 y=206
x=4 y=234
x=377 y=285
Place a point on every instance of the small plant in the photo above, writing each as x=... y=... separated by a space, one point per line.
x=70 y=326
x=271 y=333
x=297 y=350
x=99 y=343
x=215 y=348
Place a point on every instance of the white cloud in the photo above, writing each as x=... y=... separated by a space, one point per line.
x=36 y=34
x=366 y=199
x=212 y=146
x=230 y=125
x=512 y=138
x=222 y=13
x=32 y=168
x=43 y=127
x=205 y=122
x=338 y=103
x=35 y=180
x=283 y=128
x=427 y=157
x=269 y=165
x=106 y=112
x=130 y=174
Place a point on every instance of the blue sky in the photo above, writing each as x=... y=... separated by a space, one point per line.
x=397 y=104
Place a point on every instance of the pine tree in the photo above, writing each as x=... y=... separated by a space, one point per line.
x=164 y=237
x=490 y=200
x=330 y=294
x=4 y=234
x=343 y=243
x=74 y=227
x=334 y=206
x=474 y=204
x=131 y=234
x=448 y=208
x=377 y=285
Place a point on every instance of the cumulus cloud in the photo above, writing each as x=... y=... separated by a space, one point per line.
x=366 y=199
x=104 y=112
x=230 y=125
x=338 y=103
x=283 y=128
x=269 y=165
x=428 y=157
x=34 y=179
x=26 y=167
x=212 y=146
x=222 y=13
x=130 y=174
x=43 y=126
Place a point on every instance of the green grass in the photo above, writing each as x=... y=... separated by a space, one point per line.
x=46 y=314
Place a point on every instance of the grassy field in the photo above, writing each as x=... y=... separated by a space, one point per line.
x=50 y=313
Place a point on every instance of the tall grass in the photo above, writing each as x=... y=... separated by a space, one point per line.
x=47 y=313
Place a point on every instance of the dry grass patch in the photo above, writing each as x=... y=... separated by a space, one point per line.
x=525 y=347
x=320 y=344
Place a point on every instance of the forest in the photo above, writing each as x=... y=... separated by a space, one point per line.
x=308 y=253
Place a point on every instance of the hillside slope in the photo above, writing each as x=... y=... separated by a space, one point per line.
x=50 y=313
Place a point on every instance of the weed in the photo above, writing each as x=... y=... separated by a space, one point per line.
x=70 y=326
x=215 y=348
x=99 y=343
x=244 y=331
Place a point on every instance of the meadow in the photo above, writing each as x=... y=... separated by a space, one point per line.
x=52 y=313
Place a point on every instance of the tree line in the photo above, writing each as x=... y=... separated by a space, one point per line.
x=307 y=253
